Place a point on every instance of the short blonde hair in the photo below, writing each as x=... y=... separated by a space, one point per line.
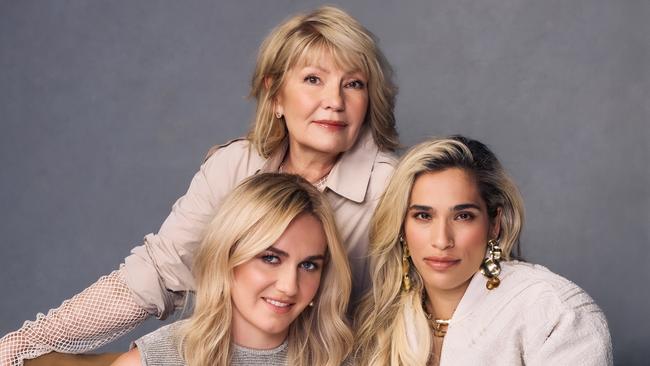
x=307 y=35
x=381 y=324
x=250 y=220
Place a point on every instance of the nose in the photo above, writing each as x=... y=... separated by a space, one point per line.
x=287 y=281
x=441 y=235
x=333 y=98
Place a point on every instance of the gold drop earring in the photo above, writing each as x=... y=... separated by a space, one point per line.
x=406 y=266
x=490 y=268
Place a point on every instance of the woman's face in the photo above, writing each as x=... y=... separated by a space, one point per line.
x=446 y=229
x=272 y=289
x=323 y=106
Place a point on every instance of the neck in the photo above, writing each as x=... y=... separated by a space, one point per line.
x=441 y=304
x=248 y=340
x=311 y=165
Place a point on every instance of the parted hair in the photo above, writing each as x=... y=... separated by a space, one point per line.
x=251 y=219
x=300 y=40
x=386 y=311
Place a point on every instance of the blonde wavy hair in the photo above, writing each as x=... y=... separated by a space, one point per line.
x=385 y=311
x=250 y=220
x=303 y=38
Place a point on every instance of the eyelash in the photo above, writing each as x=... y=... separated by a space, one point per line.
x=314 y=266
x=468 y=214
x=426 y=216
x=422 y=216
x=270 y=258
x=354 y=84
x=312 y=79
x=273 y=259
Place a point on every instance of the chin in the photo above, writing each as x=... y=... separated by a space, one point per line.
x=334 y=147
x=276 y=328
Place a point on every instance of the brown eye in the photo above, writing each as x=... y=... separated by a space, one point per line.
x=356 y=84
x=464 y=216
x=312 y=79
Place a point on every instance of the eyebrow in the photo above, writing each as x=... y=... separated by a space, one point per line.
x=465 y=206
x=282 y=253
x=345 y=72
x=319 y=257
x=462 y=206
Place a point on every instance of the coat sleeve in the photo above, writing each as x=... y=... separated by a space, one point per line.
x=159 y=271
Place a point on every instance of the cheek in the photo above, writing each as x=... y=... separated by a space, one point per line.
x=251 y=279
x=359 y=105
x=302 y=102
x=474 y=243
x=416 y=237
x=309 y=284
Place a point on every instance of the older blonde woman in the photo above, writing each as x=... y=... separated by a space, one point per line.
x=446 y=289
x=272 y=285
x=324 y=111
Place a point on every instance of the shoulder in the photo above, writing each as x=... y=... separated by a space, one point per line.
x=561 y=320
x=382 y=171
x=131 y=358
x=553 y=302
x=537 y=282
x=385 y=162
x=161 y=347
x=235 y=147
x=227 y=164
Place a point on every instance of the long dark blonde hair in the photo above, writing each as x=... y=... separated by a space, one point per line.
x=252 y=218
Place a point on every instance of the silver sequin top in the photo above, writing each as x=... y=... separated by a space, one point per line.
x=160 y=348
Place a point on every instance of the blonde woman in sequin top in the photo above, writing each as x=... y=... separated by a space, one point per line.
x=272 y=288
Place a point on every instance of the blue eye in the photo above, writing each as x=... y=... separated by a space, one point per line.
x=270 y=258
x=356 y=84
x=309 y=266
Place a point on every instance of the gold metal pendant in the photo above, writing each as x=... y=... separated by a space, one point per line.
x=439 y=327
x=492 y=283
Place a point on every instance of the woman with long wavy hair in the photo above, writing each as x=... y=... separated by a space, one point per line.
x=272 y=285
x=446 y=289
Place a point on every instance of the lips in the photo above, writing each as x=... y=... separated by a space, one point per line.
x=331 y=124
x=441 y=263
x=278 y=306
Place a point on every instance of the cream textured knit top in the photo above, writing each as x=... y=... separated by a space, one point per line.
x=535 y=317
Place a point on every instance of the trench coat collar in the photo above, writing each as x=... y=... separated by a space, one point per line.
x=350 y=176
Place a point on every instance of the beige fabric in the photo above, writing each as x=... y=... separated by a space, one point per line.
x=164 y=261
x=104 y=311
x=534 y=317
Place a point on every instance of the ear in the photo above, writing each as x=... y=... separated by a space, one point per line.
x=495 y=227
x=268 y=81
x=277 y=104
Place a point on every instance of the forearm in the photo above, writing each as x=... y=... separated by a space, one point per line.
x=101 y=313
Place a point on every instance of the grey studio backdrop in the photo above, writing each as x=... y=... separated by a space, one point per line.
x=108 y=107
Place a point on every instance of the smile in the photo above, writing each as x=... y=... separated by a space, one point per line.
x=441 y=263
x=277 y=306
